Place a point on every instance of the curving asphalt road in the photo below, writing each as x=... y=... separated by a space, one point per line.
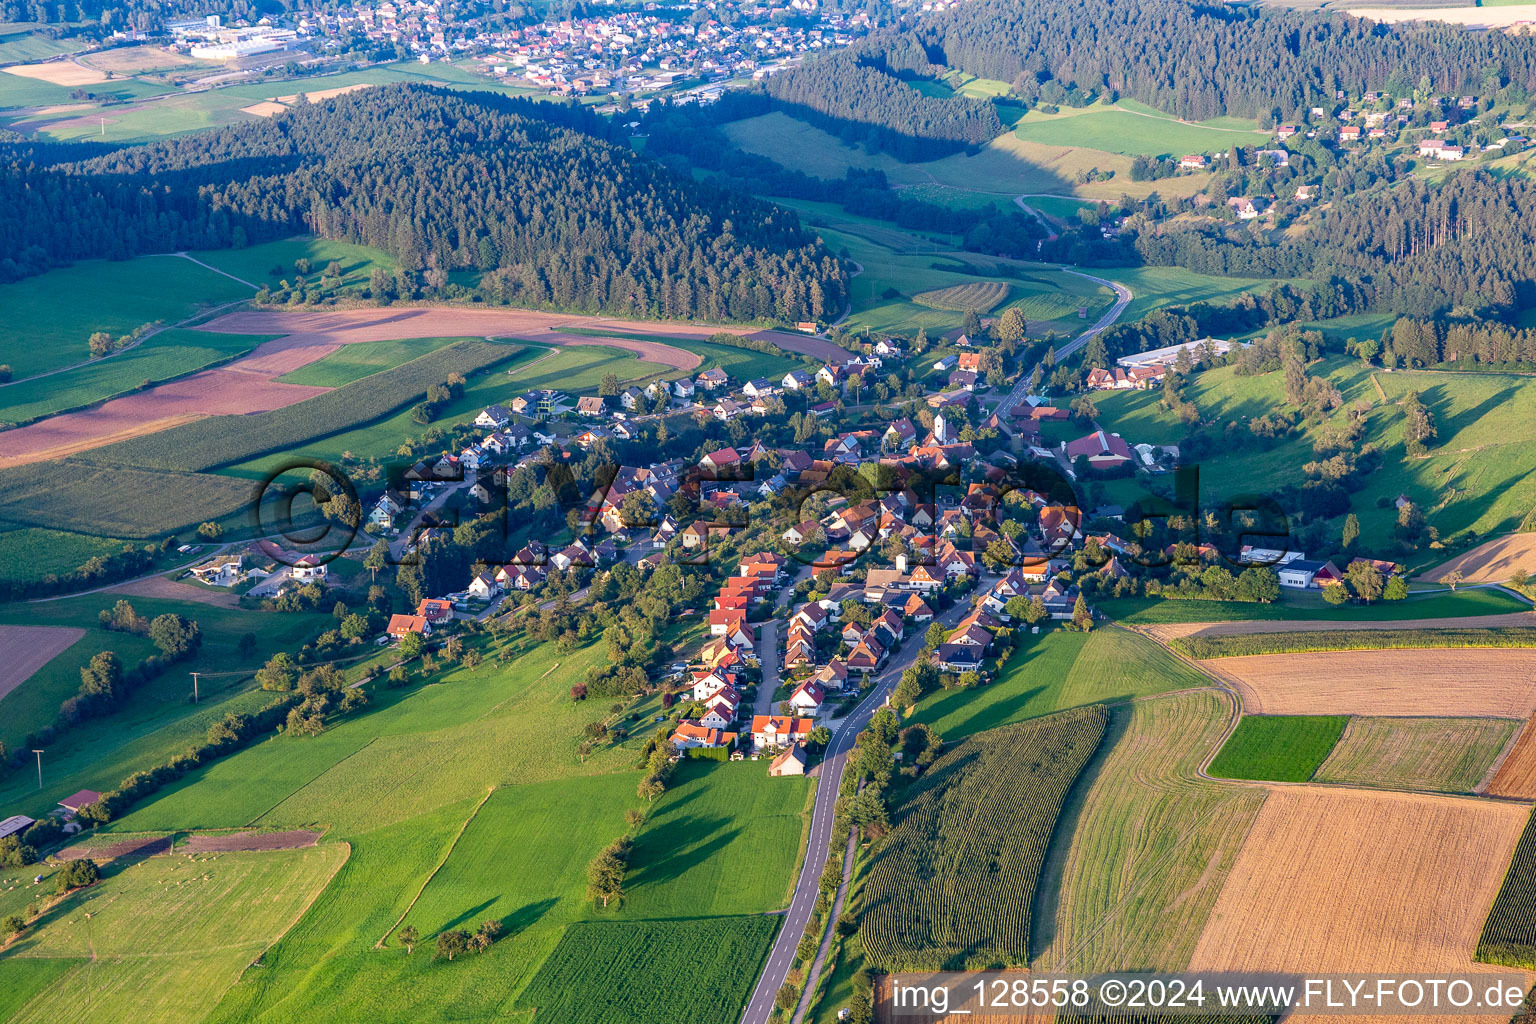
x=782 y=956
x=1123 y=298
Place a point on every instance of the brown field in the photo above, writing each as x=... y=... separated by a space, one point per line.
x=1516 y=775
x=1166 y=631
x=137 y=847
x=1490 y=562
x=1471 y=17
x=242 y=841
x=324 y=94
x=59 y=72
x=266 y=108
x=1336 y=880
x=127 y=60
x=25 y=649
x=84 y=440
x=1449 y=682
x=173 y=590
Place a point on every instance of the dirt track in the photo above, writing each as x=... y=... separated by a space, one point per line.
x=1453 y=682
x=1174 y=630
x=25 y=649
x=1333 y=880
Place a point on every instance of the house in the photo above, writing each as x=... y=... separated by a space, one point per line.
x=889 y=347
x=794 y=380
x=483 y=587
x=757 y=388
x=1431 y=147
x=693 y=734
x=632 y=398
x=435 y=609
x=808 y=698
x=399 y=625
x=712 y=380
x=1349 y=133
x=591 y=405
x=868 y=656
x=779 y=731
x=718 y=716
x=1285 y=131
x=958 y=657
x=945 y=363
x=789 y=762
x=494 y=417
x=308 y=569
x=1103 y=451
x=683 y=388
x=1192 y=162
x=1244 y=208
x=962 y=380
x=718 y=462
x=1301 y=573
x=75 y=801
x=832 y=676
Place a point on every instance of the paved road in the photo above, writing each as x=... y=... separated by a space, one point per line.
x=782 y=956
x=1123 y=298
x=768 y=655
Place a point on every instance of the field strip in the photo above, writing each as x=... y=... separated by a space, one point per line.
x=319 y=890
x=449 y=853
x=1166 y=631
x=83 y=444
x=253 y=822
x=1493 y=561
x=1498 y=762
x=25 y=649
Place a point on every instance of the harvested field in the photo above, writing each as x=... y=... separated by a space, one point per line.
x=172 y=590
x=25 y=649
x=137 y=847
x=1449 y=682
x=133 y=59
x=1470 y=17
x=1491 y=562
x=266 y=108
x=1347 y=880
x=802 y=344
x=1166 y=631
x=59 y=72
x=649 y=351
x=249 y=841
x=1440 y=755
x=1516 y=776
x=278 y=104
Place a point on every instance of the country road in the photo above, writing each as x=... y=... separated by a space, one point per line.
x=782 y=956
x=1123 y=299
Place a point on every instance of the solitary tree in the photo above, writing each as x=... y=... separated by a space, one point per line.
x=408 y=936
x=1452 y=579
x=451 y=943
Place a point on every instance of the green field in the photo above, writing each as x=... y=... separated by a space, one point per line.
x=34 y=553
x=223 y=440
x=1303 y=606
x=1144 y=844
x=1509 y=934
x=1154 y=288
x=1278 y=748
x=162 y=356
x=179 y=111
x=607 y=973
x=1303 y=641
x=1058 y=670
x=1474 y=477
x=723 y=840
x=741 y=363
x=50 y=318
x=354 y=362
x=116 y=502
x=1131 y=129
x=21 y=42
x=1445 y=755
x=160 y=943
x=256 y=263
x=952 y=887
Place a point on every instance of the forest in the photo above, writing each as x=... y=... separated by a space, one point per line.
x=531 y=194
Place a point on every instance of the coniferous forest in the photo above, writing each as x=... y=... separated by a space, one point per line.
x=531 y=194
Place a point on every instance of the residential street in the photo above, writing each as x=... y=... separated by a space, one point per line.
x=782 y=956
x=768 y=654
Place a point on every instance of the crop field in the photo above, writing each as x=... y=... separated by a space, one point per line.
x=1233 y=645
x=20 y=41
x=115 y=502
x=978 y=298
x=723 y=840
x=1460 y=683
x=25 y=649
x=22 y=90
x=1308 y=612
x=1278 y=748
x=1516 y=776
x=1131 y=132
x=524 y=855
x=1350 y=880
x=1144 y=844
x=1059 y=670
x=741 y=363
x=1492 y=561
x=590 y=978
x=953 y=886
x=1509 y=934
x=172 y=914
x=223 y=440
x=33 y=553
x=162 y=356
x=50 y=317
x=354 y=362
x=1440 y=755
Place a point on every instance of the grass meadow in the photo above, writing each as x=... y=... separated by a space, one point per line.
x=257 y=263
x=1130 y=129
x=1057 y=670
x=1143 y=844
x=51 y=317
x=351 y=363
x=1303 y=606
x=34 y=553
x=1278 y=748
x=1443 y=755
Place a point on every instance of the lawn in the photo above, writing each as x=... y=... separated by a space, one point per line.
x=1130 y=130
x=1278 y=748
x=725 y=839
x=51 y=317
x=1058 y=670
x=160 y=357
x=1445 y=755
x=1143 y=845
x=1297 y=606
x=1474 y=478
x=166 y=936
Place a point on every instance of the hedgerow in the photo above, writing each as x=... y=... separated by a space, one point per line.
x=1206 y=647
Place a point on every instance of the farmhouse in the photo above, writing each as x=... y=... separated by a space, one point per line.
x=1103 y=451
x=399 y=625
x=1301 y=573
x=779 y=731
x=694 y=734
x=435 y=609
x=1192 y=162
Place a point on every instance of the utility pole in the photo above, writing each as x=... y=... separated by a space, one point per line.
x=194 y=687
x=39 y=754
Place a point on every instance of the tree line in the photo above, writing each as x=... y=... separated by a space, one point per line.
x=531 y=194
